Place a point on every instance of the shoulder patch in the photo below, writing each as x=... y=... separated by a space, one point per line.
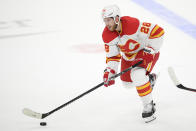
x=156 y=32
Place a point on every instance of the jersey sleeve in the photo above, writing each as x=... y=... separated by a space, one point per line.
x=113 y=55
x=151 y=35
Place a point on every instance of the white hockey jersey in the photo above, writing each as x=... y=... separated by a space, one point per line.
x=134 y=36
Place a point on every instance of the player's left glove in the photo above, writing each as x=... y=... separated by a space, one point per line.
x=147 y=54
x=108 y=72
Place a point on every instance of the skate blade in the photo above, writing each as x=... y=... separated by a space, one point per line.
x=149 y=119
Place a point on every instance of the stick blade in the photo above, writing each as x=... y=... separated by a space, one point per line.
x=31 y=113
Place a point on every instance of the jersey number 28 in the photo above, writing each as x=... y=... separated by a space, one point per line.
x=145 y=27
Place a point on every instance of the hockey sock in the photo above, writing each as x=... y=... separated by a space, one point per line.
x=144 y=92
x=144 y=89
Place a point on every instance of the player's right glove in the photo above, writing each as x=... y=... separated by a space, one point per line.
x=108 y=72
x=147 y=54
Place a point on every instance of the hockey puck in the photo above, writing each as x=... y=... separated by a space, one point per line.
x=43 y=123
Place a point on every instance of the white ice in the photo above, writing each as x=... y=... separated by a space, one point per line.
x=52 y=51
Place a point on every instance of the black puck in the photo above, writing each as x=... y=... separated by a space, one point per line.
x=43 y=123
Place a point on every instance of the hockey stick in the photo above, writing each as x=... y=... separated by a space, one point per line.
x=34 y=114
x=176 y=81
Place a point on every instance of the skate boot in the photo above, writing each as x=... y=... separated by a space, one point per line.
x=152 y=78
x=148 y=112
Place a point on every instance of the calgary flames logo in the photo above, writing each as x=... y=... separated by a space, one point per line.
x=129 y=46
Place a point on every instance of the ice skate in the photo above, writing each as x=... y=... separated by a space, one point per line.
x=148 y=112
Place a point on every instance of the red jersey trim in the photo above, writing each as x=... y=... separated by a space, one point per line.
x=108 y=35
x=156 y=32
x=129 y=26
x=114 y=58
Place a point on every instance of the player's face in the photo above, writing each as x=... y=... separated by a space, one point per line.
x=110 y=24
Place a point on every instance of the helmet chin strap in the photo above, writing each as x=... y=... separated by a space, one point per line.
x=117 y=22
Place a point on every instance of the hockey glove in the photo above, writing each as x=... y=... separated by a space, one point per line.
x=147 y=54
x=108 y=72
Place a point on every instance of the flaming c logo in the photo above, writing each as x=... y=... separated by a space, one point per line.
x=129 y=46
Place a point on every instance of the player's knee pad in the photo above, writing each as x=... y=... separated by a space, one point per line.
x=138 y=76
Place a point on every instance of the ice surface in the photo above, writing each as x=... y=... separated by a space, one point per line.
x=52 y=51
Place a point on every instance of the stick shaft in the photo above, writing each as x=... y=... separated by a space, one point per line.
x=72 y=100
x=90 y=90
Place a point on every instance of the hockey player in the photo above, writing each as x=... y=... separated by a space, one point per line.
x=129 y=40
